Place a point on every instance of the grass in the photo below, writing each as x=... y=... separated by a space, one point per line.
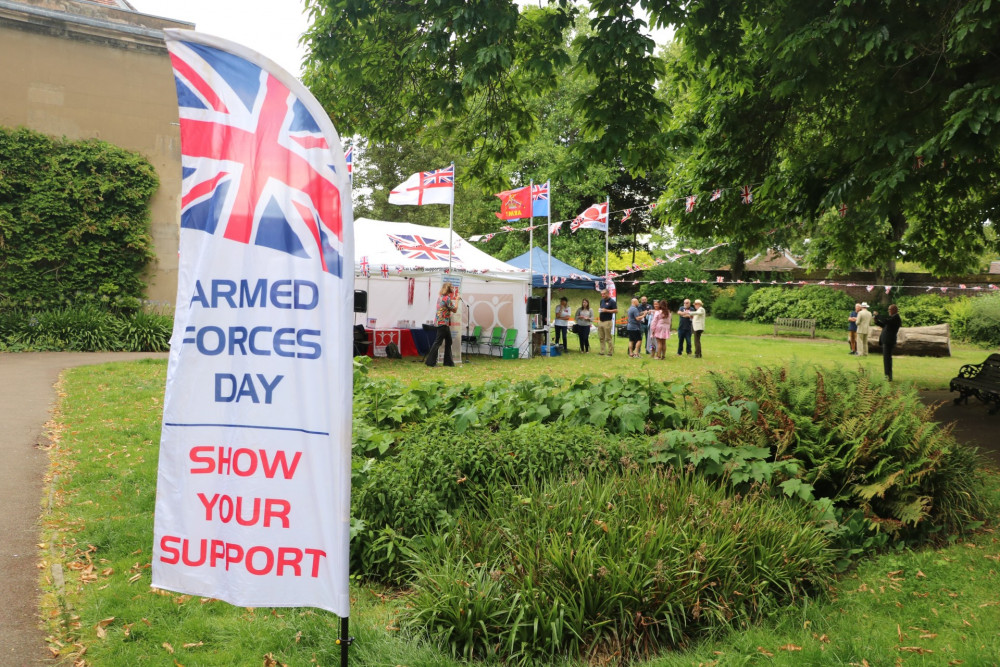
x=98 y=528
x=726 y=344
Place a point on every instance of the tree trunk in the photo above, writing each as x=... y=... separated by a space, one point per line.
x=737 y=265
x=932 y=341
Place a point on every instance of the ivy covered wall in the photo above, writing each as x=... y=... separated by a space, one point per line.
x=74 y=219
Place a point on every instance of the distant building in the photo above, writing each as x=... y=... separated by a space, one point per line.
x=99 y=70
x=772 y=260
x=995 y=267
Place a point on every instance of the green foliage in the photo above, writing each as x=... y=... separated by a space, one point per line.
x=145 y=332
x=730 y=303
x=923 y=310
x=435 y=475
x=869 y=447
x=830 y=308
x=74 y=219
x=675 y=292
x=983 y=324
x=622 y=564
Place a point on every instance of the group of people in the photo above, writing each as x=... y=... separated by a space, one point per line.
x=859 y=324
x=652 y=321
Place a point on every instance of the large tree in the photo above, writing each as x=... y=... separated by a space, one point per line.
x=891 y=108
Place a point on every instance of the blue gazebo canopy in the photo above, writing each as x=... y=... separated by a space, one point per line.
x=575 y=278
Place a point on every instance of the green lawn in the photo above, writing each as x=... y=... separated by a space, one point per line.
x=930 y=607
x=726 y=344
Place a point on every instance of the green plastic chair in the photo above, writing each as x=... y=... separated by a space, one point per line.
x=473 y=340
x=496 y=339
x=509 y=339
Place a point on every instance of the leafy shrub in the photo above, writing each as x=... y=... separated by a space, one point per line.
x=730 y=303
x=830 y=308
x=437 y=473
x=983 y=325
x=959 y=312
x=619 y=564
x=923 y=309
x=74 y=218
x=866 y=445
x=675 y=292
x=145 y=332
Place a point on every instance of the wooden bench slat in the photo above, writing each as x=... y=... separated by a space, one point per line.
x=979 y=380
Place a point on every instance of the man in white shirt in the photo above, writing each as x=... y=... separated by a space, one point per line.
x=698 y=325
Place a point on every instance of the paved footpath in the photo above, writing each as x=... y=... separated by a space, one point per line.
x=26 y=399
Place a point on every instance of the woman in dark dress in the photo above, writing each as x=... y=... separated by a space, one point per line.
x=887 y=339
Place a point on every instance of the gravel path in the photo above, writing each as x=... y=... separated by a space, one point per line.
x=26 y=399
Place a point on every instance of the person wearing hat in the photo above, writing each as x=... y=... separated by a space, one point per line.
x=698 y=325
x=864 y=323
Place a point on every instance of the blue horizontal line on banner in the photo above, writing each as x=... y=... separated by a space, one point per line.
x=268 y=428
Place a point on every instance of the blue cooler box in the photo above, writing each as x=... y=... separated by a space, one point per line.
x=550 y=351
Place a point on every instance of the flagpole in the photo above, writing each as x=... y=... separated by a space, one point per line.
x=548 y=227
x=531 y=271
x=607 y=230
x=451 y=219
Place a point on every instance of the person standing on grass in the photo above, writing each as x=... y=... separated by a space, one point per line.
x=887 y=339
x=561 y=322
x=659 y=328
x=647 y=311
x=634 y=328
x=584 y=316
x=852 y=329
x=684 y=329
x=607 y=312
x=698 y=326
x=445 y=307
x=650 y=338
x=864 y=323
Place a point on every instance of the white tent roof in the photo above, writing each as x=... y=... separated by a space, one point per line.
x=408 y=249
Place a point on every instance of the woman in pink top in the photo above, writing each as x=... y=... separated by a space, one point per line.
x=659 y=328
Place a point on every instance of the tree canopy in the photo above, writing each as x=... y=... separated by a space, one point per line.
x=886 y=110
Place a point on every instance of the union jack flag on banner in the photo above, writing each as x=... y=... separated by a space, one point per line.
x=365 y=269
x=413 y=246
x=258 y=392
x=349 y=159
x=715 y=195
x=746 y=196
x=628 y=214
x=426 y=187
x=689 y=203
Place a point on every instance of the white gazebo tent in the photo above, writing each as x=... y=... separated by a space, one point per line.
x=402 y=267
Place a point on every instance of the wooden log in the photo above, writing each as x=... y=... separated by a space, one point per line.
x=932 y=341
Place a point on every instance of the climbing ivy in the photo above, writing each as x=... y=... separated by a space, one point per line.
x=74 y=220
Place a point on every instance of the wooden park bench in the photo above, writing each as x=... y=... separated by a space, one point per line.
x=979 y=380
x=795 y=324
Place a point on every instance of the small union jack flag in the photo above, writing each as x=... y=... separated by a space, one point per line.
x=746 y=196
x=413 y=246
x=628 y=214
x=842 y=210
x=365 y=268
x=540 y=200
x=444 y=176
x=349 y=158
x=715 y=195
x=919 y=162
x=385 y=270
x=689 y=203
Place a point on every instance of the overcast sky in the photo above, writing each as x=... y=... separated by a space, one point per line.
x=270 y=27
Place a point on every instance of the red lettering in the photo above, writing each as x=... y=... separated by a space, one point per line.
x=234 y=554
x=291 y=557
x=316 y=554
x=174 y=555
x=242 y=520
x=195 y=455
x=258 y=560
x=224 y=457
x=251 y=468
x=270 y=467
x=225 y=509
x=275 y=508
x=269 y=562
x=218 y=552
x=208 y=505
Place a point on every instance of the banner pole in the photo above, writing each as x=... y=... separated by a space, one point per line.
x=451 y=218
x=345 y=641
x=607 y=231
x=548 y=228
x=531 y=270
